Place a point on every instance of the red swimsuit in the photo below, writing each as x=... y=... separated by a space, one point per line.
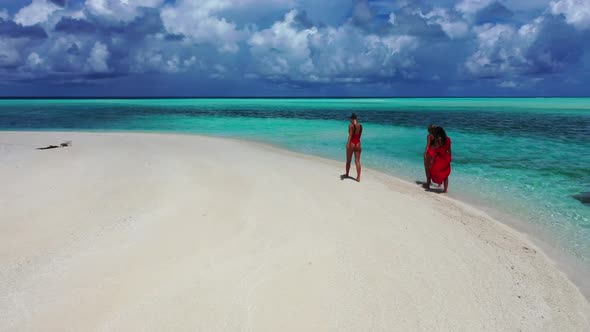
x=356 y=138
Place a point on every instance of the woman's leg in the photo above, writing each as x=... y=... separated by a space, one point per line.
x=430 y=162
x=357 y=161
x=427 y=166
x=446 y=187
x=348 y=160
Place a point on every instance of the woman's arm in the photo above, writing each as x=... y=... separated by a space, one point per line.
x=349 y=136
x=427 y=145
x=450 y=153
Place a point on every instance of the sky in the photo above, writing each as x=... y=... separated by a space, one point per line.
x=294 y=48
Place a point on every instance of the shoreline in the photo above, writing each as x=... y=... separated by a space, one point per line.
x=572 y=267
x=474 y=220
x=565 y=262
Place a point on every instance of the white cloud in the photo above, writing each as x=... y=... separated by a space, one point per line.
x=391 y=18
x=471 y=7
x=283 y=49
x=123 y=10
x=9 y=54
x=4 y=15
x=490 y=34
x=97 y=60
x=453 y=27
x=576 y=12
x=156 y=55
x=508 y=84
x=219 y=68
x=66 y=61
x=34 y=60
x=154 y=61
x=496 y=52
x=190 y=61
x=37 y=12
x=455 y=30
x=528 y=5
x=531 y=30
x=503 y=50
x=285 y=37
x=207 y=21
x=35 y=63
x=219 y=72
x=78 y=15
x=293 y=48
x=172 y=64
x=287 y=50
x=199 y=21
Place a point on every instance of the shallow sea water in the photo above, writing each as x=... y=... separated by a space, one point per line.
x=527 y=157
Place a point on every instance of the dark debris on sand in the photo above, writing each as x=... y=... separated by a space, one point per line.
x=62 y=145
x=583 y=197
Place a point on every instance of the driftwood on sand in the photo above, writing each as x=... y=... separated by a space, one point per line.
x=62 y=145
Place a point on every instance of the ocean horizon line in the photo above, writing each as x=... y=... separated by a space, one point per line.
x=285 y=97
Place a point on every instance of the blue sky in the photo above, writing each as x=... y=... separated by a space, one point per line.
x=294 y=48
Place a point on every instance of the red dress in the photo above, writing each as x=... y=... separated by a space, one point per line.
x=441 y=167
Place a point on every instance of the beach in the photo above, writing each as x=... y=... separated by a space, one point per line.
x=133 y=232
x=528 y=185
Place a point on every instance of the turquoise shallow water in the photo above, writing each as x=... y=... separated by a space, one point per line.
x=524 y=156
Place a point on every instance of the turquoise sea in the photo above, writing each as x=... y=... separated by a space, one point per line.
x=526 y=157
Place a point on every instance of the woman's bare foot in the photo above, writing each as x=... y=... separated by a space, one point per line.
x=358 y=178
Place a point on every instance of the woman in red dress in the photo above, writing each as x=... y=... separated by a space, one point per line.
x=441 y=165
x=429 y=153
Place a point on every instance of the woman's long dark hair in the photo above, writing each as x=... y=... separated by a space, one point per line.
x=440 y=135
x=431 y=128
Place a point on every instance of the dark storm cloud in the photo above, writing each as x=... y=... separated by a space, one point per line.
x=61 y=3
x=66 y=78
x=174 y=37
x=494 y=13
x=75 y=26
x=73 y=50
x=302 y=21
x=558 y=46
x=408 y=21
x=148 y=23
x=11 y=29
x=131 y=39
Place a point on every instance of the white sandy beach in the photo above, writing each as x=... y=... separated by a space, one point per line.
x=135 y=232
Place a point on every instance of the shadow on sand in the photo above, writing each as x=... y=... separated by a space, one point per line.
x=347 y=177
x=422 y=184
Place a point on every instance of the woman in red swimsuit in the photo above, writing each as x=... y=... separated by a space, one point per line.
x=441 y=165
x=353 y=145
x=429 y=153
